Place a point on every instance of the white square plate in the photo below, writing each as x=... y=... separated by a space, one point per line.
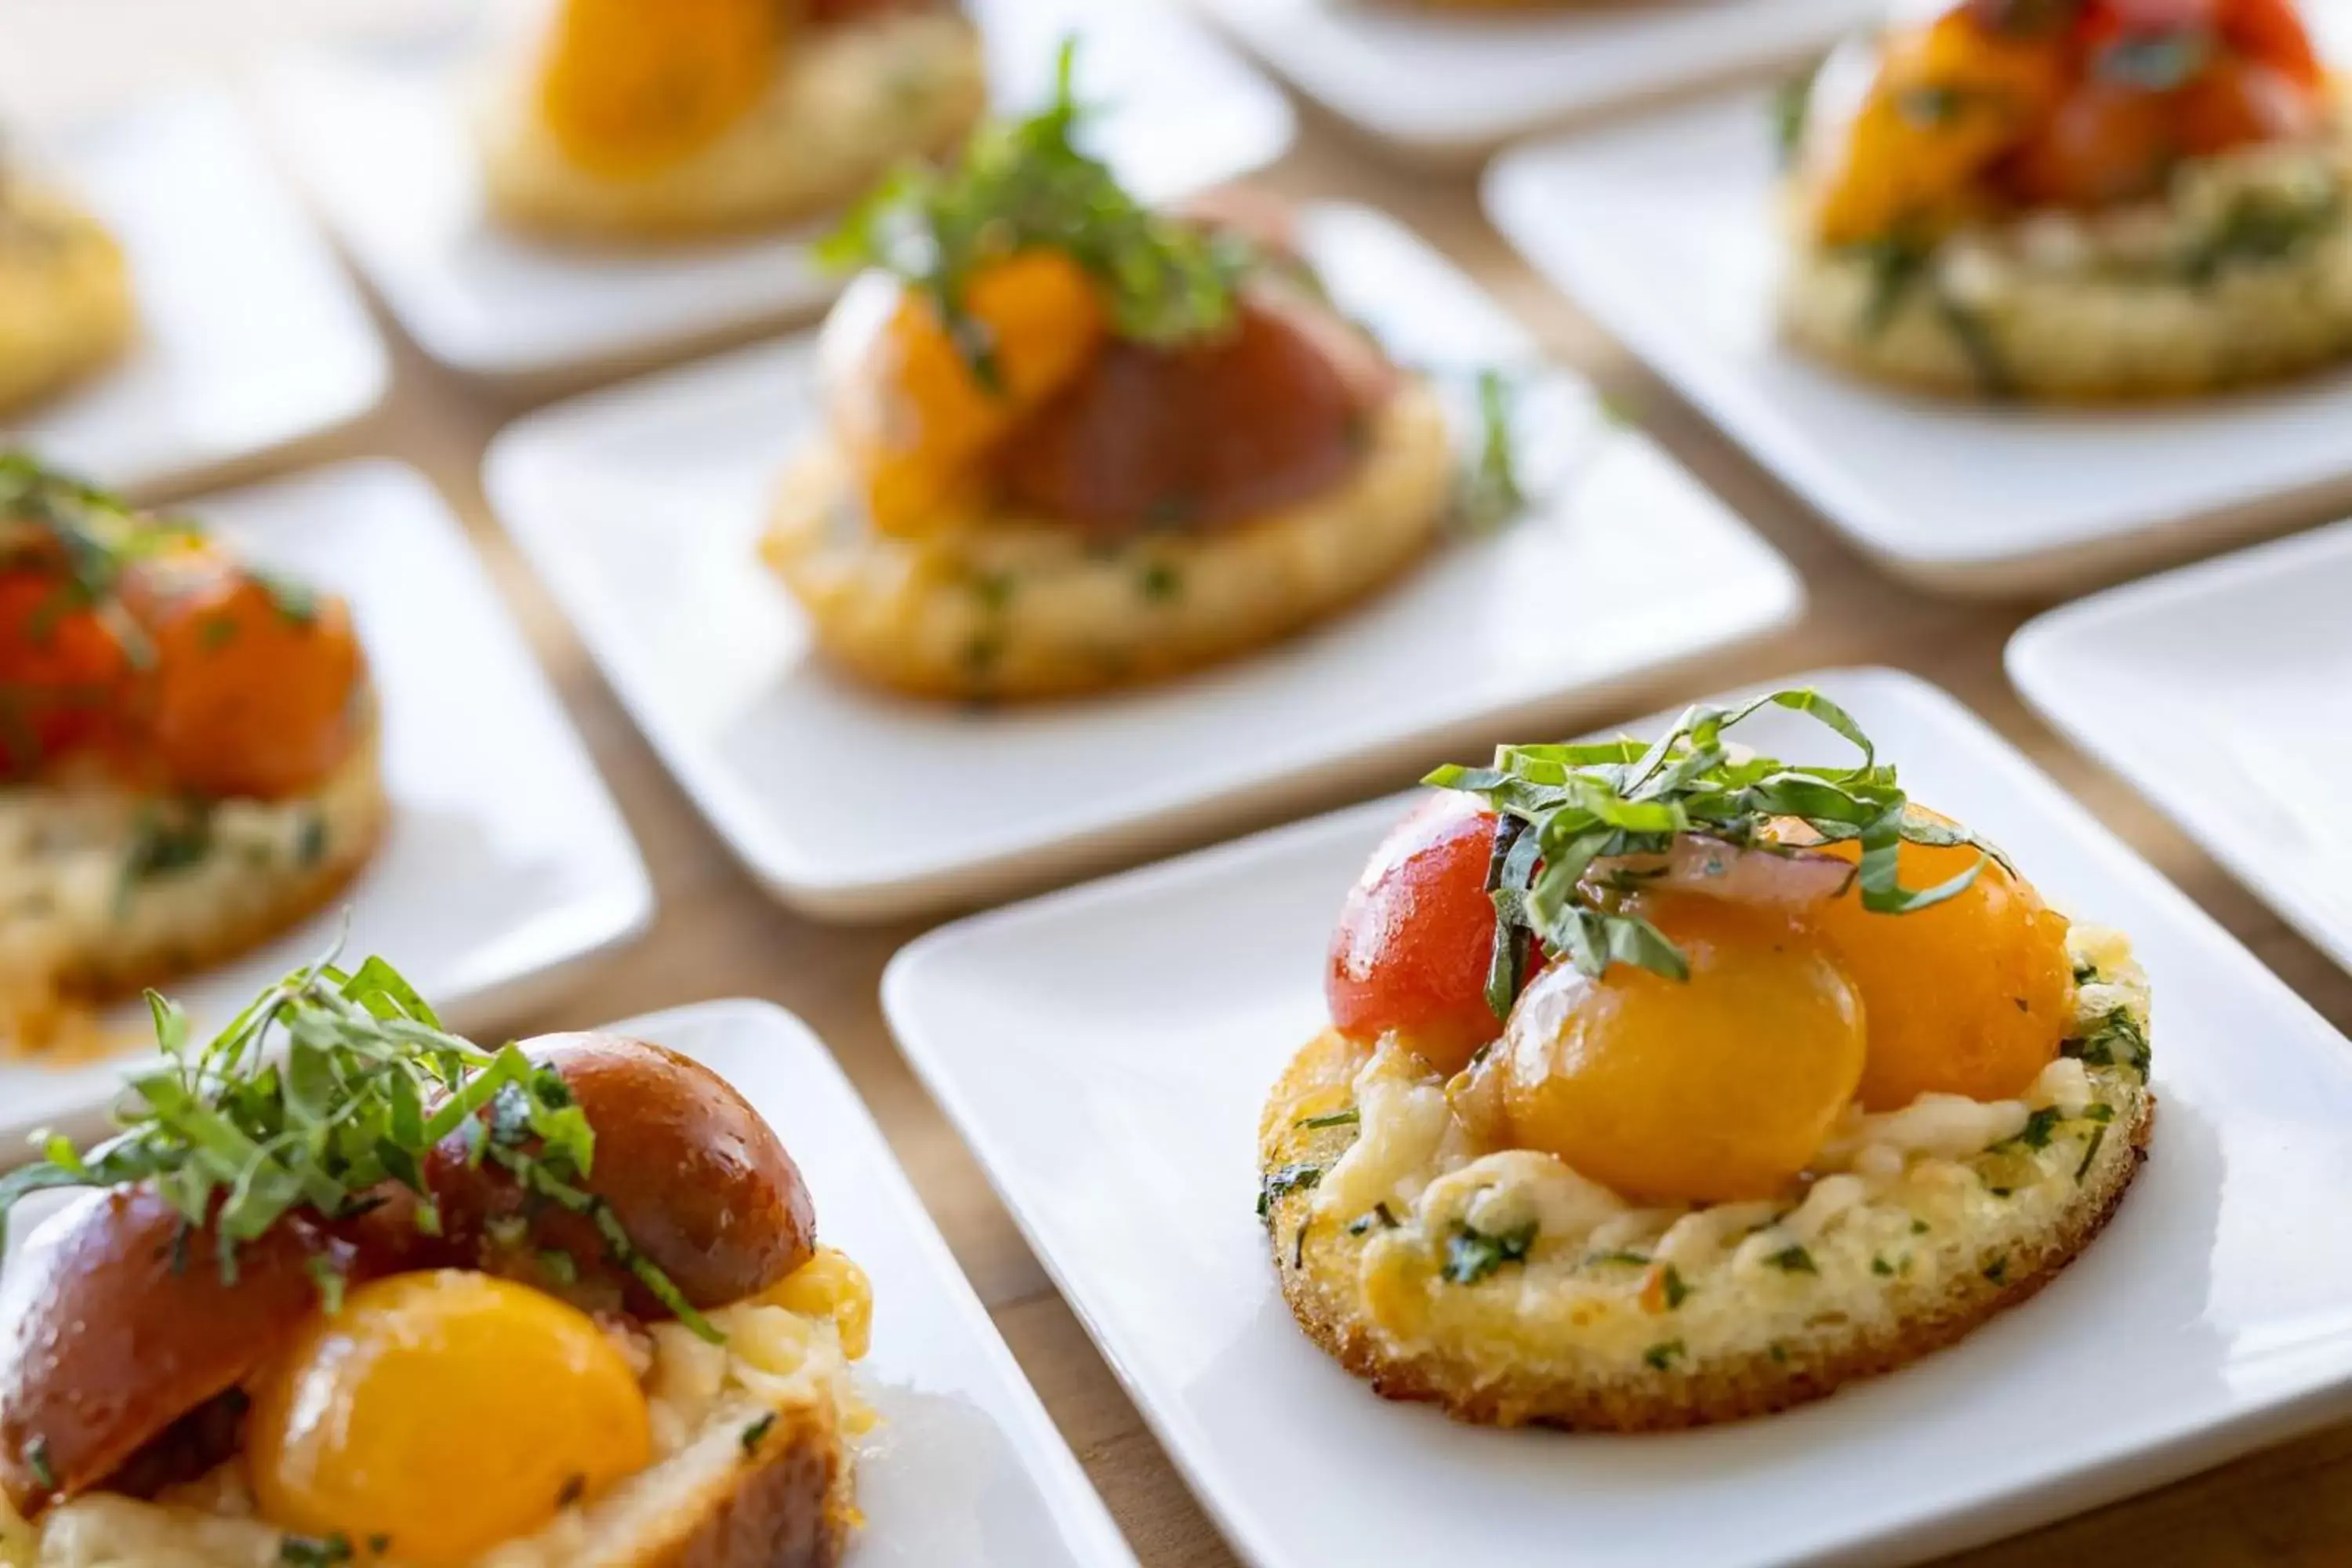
x=1453 y=85
x=641 y=507
x=966 y=1469
x=505 y=862
x=1664 y=229
x=2242 y=732
x=251 y=338
x=1106 y=1051
x=380 y=133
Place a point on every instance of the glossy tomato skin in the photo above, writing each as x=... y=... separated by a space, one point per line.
x=1417 y=933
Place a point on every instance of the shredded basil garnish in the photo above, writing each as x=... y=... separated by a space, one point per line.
x=1471 y=1255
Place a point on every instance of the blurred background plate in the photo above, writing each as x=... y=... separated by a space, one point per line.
x=251 y=338
x=641 y=507
x=1436 y=84
x=379 y=129
x=2223 y=693
x=504 y=866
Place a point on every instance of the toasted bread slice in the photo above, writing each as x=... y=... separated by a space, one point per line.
x=849 y=102
x=1010 y=609
x=105 y=891
x=1503 y=1287
x=64 y=293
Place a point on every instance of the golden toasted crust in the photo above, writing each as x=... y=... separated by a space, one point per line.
x=1692 y=1392
x=789 y=1507
x=1014 y=609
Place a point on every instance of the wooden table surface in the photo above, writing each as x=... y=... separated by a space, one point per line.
x=715 y=934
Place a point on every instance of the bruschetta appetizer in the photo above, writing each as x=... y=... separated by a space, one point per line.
x=188 y=758
x=1073 y=443
x=654 y=119
x=1672 y=1084
x=2085 y=200
x=65 y=291
x=397 y=1298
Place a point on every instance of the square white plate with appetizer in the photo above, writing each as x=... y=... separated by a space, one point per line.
x=248 y=337
x=382 y=133
x=1450 y=82
x=2237 y=732
x=499 y=861
x=1107 y=1052
x=644 y=508
x=1669 y=230
x=963 y=1466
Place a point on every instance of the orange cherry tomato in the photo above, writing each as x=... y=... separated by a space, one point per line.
x=631 y=87
x=1416 y=934
x=2238 y=102
x=2272 y=32
x=2107 y=143
x=1946 y=101
x=1970 y=997
x=256 y=684
x=905 y=401
x=64 y=675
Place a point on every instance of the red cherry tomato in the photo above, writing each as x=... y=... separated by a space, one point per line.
x=2239 y=101
x=2109 y=18
x=2107 y=143
x=63 y=673
x=1416 y=934
x=2272 y=32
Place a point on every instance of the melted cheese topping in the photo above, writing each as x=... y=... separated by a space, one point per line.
x=705 y=1400
x=1894 y=1204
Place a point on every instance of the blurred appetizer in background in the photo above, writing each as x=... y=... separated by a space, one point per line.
x=652 y=119
x=2074 y=199
x=1672 y=1084
x=188 y=754
x=66 y=306
x=1074 y=443
x=397 y=1298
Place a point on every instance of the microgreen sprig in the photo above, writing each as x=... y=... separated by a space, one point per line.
x=1563 y=807
x=328 y=1086
x=1025 y=185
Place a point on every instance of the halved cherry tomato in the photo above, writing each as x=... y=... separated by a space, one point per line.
x=1946 y=100
x=2273 y=32
x=632 y=87
x=2239 y=102
x=906 y=402
x=256 y=683
x=1189 y=436
x=1416 y=935
x=64 y=671
x=2106 y=143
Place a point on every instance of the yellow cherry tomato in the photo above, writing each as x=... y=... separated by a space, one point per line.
x=443 y=1412
x=1719 y=1086
x=632 y=87
x=914 y=413
x=1972 y=996
x=1900 y=148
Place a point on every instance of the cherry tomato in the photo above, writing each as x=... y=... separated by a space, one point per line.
x=256 y=683
x=2238 y=102
x=1192 y=437
x=2105 y=19
x=2107 y=143
x=1416 y=935
x=2272 y=32
x=64 y=672
x=630 y=89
